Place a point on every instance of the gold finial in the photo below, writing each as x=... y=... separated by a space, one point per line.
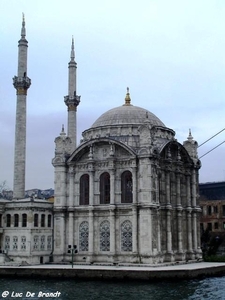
x=127 y=98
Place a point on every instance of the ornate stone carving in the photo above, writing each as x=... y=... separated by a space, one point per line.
x=21 y=84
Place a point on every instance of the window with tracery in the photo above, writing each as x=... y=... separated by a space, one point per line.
x=126 y=187
x=49 y=242
x=42 y=247
x=23 y=243
x=105 y=236
x=126 y=236
x=84 y=189
x=36 y=242
x=7 y=243
x=83 y=236
x=105 y=188
x=15 y=242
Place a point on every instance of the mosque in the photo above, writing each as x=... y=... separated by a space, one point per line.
x=128 y=193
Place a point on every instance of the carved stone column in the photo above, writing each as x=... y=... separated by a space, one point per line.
x=193 y=179
x=189 y=217
x=179 y=214
x=189 y=225
x=168 y=232
x=168 y=201
x=135 y=230
x=91 y=188
x=158 y=231
x=134 y=183
x=112 y=231
x=112 y=186
x=188 y=183
x=91 y=232
x=168 y=221
x=71 y=187
x=195 y=236
x=179 y=228
x=178 y=189
x=70 y=229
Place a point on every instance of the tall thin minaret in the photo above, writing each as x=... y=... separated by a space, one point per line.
x=72 y=100
x=21 y=83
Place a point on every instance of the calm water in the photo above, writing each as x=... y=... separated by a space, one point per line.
x=209 y=288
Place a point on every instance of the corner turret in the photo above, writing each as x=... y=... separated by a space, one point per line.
x=191 y=146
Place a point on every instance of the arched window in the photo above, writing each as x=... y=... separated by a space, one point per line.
x=83 y=236
x=16 y=220
x=43 y=220
x=35 y=220
x=8 y=220
x=105 y=188
x=126 y=187
x=84 y=189
x=105 y=236
x=24 y=220
x=126 y=236
x=49 y=220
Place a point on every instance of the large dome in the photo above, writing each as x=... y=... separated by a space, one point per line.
x=127 y=114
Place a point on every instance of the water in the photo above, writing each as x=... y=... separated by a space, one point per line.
x=209 y=288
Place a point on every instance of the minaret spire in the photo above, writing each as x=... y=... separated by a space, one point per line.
x=72 y=55
x=21 y=83
x=72 y=100
x=23 y=30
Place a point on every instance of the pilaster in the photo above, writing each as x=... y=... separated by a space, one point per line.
x=91 y=232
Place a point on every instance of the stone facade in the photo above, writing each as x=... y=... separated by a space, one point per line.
x=26 y=231
x=128 y=192
x=26 y=225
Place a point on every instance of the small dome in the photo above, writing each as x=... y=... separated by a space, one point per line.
x=129 y=115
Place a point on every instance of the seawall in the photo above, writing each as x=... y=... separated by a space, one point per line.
x=99 y=272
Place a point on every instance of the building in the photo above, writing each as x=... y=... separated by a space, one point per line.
x=126 y=194
x=212 y=202
x=26 y=224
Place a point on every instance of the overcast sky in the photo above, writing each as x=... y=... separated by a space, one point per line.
x=169 y=53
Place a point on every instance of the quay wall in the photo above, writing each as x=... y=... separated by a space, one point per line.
x=112 y=274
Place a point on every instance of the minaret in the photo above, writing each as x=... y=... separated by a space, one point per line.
x=21 y=83
x=72 y=100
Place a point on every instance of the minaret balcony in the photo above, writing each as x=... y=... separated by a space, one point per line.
x=71 y=101
x=21 y=82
